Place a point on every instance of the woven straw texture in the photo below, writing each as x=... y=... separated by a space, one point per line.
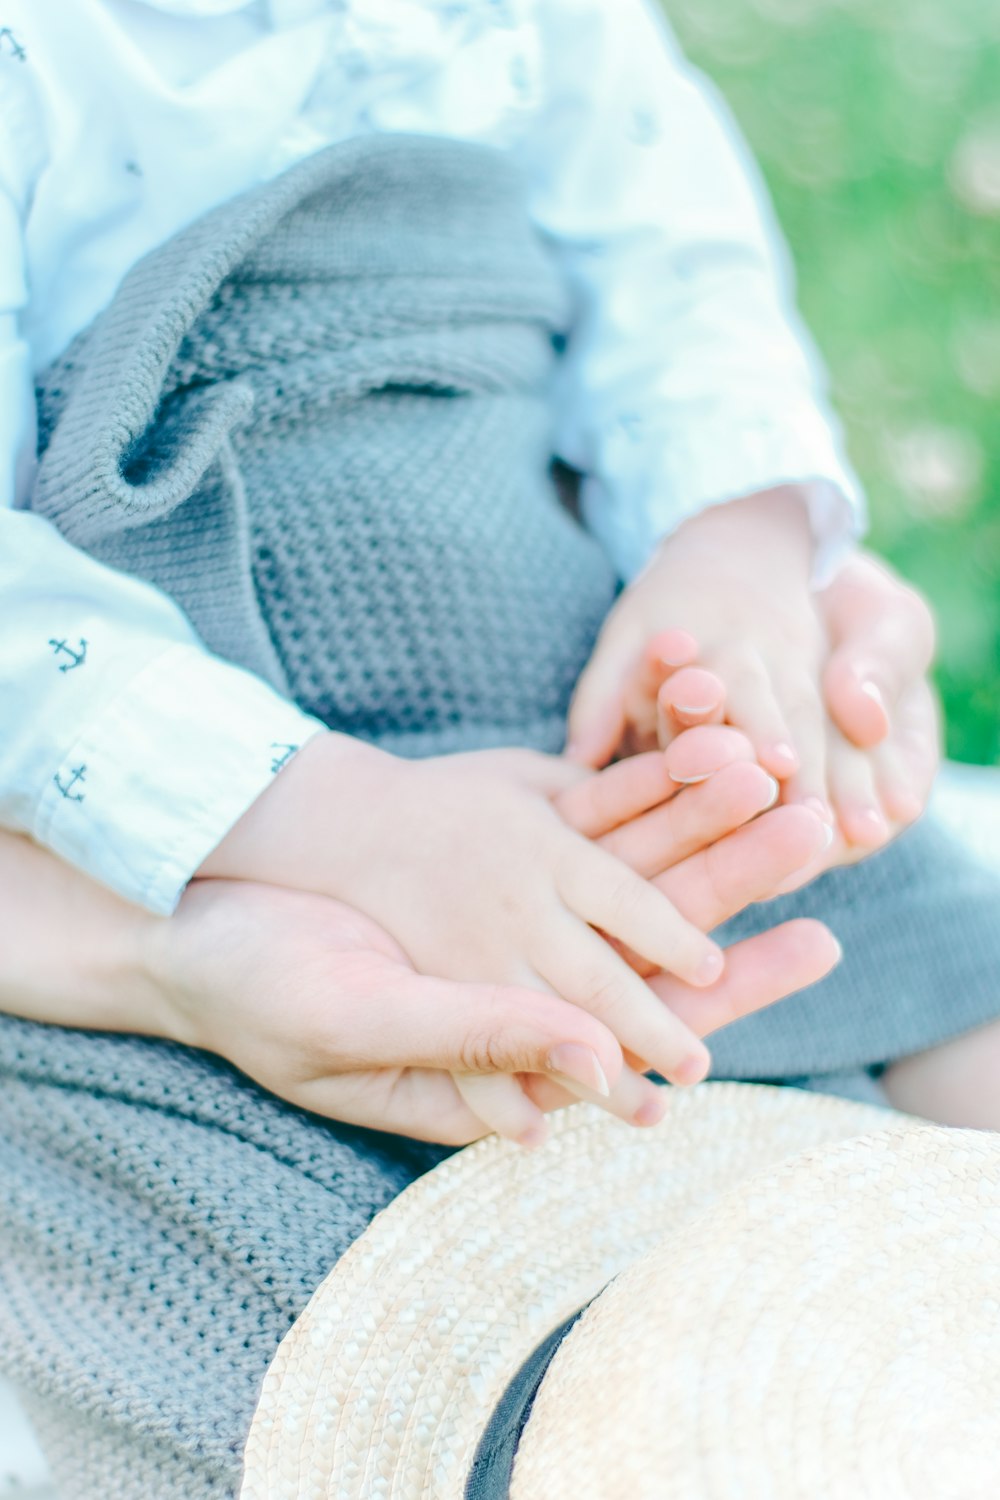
x=830 y=1329
x=384 y=1384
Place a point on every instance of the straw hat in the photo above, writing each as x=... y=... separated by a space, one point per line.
x=803 y=1301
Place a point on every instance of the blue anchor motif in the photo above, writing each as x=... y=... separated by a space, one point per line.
x=16 y=50
x=66 y=788
x=63 y=648
x=277 y=761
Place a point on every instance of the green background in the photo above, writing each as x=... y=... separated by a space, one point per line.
x=877 y=124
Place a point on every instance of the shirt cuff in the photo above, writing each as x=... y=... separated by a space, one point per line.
x=157 y=780
x=663 y=478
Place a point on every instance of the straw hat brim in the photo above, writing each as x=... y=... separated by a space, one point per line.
x=830 y=1329
x=386 y=1381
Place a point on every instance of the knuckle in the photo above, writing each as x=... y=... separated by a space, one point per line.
x=609 y=996
x=624 y=903
x=494 y=1049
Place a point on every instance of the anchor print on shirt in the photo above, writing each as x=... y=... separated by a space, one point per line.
x=63 y=648
x=77 y=775
x=10 y=43
x=278 y=761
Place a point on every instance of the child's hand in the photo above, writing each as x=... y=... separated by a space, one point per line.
x=730 y=587
x=693 y=843
x=866 y=722
x=465 y=861
x=323 y=1008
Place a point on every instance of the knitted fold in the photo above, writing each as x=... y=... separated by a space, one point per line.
x=318 y=419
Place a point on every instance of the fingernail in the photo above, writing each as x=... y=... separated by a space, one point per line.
x=774 y=792
x=827 y=838
x=578 y=1064
x=710 y=968
x=691 y=780
x=874 y=692
x=785 y=751
x=693 y=708
x=838 y=951
x=819 y=807
x=693 y=1069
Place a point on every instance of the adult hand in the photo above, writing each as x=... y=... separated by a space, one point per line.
x=319 y=1005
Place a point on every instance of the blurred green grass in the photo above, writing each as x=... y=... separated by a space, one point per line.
x=877 y=125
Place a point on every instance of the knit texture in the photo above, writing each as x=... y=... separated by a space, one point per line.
x=317 y=418
x=162 y=1222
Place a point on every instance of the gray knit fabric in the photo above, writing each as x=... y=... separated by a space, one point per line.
x=162 y=1219
x=317 y=419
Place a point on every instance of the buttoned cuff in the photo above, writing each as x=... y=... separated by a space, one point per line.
x=159 y=776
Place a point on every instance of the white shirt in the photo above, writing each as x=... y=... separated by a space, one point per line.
x=688 y=379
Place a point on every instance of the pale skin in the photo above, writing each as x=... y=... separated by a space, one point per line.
x=319 y=1004
x=210 y=976
x=830 y=687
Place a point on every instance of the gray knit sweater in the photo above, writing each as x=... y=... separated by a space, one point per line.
x=317 y=418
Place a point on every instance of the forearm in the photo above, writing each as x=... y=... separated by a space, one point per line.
x=71 y=952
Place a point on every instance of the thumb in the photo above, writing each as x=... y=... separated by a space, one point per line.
x=859 y=696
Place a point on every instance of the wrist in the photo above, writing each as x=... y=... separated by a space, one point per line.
x=72 y=953
x=304 y=831
x=773 y=526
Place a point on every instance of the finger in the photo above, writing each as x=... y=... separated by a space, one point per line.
x=660 y=659
x=752 y=706
x=690 y=696
x=698 y=753
x=421 y=1103
x=619 y=794
x=698 y=816
x=806 y=719
x=895 y=786
x=608 y=895
x=906 y=763
x=499 y=1100
x=549 y=774
x=423 y=1022
x=746 y=866
x=759 y=971
x=634 y=1099
x=586 y=970
x=854 y=793
x=917 y=737
x=597 y=718
x=857 y=703
x=884 y=642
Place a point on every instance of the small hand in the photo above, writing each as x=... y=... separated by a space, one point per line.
x=693 y=844
x=729 y=589
x=465 y=861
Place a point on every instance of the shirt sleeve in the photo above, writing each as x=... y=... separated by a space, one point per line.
x=125 y=747
x=688 y=378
